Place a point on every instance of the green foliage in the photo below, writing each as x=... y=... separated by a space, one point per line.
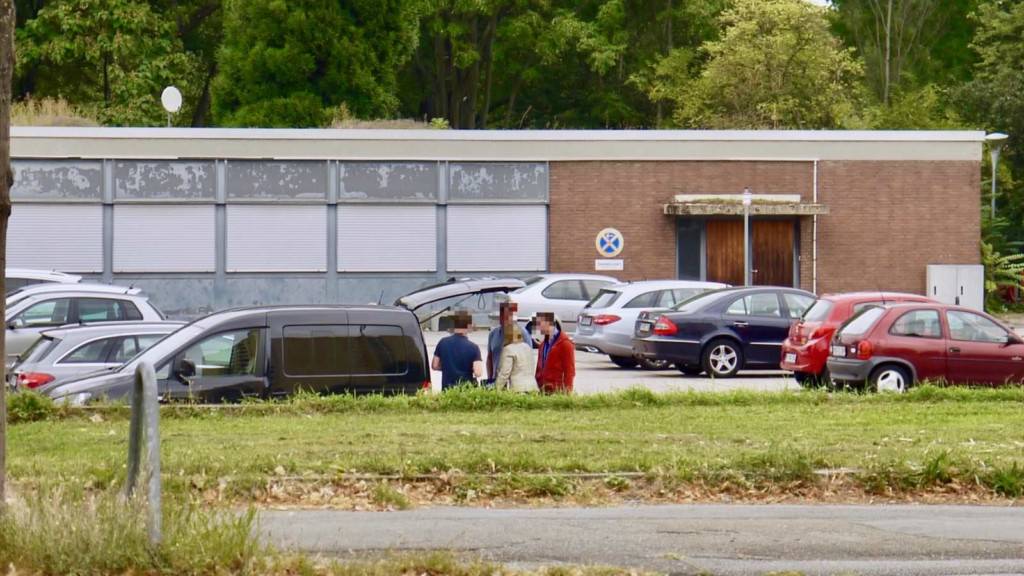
x=776 y=66
x=286 y=63
x=29 y=407
x=1001 y=271
x=112 y=58
x=922 y=108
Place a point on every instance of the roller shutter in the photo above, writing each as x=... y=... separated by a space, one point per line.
x=65 y=237
x=277 y=238
x=497 y=238
x=387 y=238
x=164 y=238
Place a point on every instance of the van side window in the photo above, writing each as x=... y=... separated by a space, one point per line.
x=234 y=353
x=335 y=350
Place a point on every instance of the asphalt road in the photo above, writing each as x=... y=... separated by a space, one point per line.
x=595 y=374
x=689 y=539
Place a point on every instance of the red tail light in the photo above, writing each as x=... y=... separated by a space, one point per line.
x=665 y=327
x=864 y=350
x=32 y=380
x=605 y=319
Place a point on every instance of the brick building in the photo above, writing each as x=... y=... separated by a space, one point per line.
x=204 y=219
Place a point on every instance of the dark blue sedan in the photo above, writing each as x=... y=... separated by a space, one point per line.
x=722 y=332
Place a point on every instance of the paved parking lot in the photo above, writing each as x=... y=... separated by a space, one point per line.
x=596 y=374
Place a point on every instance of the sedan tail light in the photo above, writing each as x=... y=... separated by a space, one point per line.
x=864 y=350
x=665 y=327
x=33 y=380
x=605 y=319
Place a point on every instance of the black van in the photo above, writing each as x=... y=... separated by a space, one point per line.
x=272 y=351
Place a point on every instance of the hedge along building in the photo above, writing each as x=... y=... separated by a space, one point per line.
x=210 y=218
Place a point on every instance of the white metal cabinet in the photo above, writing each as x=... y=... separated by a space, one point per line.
x=958 y=284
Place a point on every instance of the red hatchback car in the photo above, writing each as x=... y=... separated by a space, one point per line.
x=805 y=350
x=890 y=348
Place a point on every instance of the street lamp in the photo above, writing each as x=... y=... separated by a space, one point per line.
x=171 y=100
x=747 y=197
x=995 y=145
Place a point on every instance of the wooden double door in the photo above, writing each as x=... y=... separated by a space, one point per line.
x=772 y=246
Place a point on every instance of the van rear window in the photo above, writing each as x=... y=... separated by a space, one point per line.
x=342 y=349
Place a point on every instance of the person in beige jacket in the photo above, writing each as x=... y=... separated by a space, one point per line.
x=516 y=366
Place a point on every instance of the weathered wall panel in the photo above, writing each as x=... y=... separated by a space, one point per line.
x=161 y=180
x=303 y=180
x=63 y=180
x=387 y=181
x=497 y=181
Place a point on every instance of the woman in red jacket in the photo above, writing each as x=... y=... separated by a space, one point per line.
x=556 y=357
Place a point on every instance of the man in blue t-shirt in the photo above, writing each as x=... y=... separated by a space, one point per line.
x=456 y=356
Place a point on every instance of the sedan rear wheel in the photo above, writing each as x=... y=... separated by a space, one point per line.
x=890 y=378
x=722 y=358
x=623 y=361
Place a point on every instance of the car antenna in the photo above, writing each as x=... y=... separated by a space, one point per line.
x=380 y=300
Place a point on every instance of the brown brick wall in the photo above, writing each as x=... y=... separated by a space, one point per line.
x=934 y=206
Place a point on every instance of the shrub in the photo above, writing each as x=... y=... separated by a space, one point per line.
x=29 y=407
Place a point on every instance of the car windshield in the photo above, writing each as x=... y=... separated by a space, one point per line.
x=699 y=301
x=862 y=322
x=164 y=347
x=38 y=350
x=604 y=298
x=818 y=311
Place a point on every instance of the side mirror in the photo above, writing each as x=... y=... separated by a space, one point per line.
x=1012 y=339
x=13 y=324
x=184 y=369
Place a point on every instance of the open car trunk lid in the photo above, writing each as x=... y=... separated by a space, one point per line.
x=455 y=288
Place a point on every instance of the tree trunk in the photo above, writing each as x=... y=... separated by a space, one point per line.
x=888 y=53
x=202 y=110
x=7 y=20
x=491 y=32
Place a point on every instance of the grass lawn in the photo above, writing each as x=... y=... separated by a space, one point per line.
x=926 y=439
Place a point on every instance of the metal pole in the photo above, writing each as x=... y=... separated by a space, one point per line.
x=746 y=244
x=995 y=163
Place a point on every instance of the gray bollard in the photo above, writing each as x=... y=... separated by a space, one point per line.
x=145 y=424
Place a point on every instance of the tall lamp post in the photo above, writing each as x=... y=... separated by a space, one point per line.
x=747 y=197
x=995 y=145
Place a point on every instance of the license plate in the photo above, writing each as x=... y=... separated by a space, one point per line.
x=839 y=350
x=585 y=320
x=645 y=326
x=790 y=358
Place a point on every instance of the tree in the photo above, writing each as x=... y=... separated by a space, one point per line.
x=290 y=63
x=920 y=41
x=7 y=23
x=777 y=65
x=113 y=57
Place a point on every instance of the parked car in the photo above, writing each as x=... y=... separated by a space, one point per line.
x=21 y=277
x=273 y=351
x=890 y=348
x=805 y=349
x=563 y=294
x=722 y=332
x=33 y=309
x=76 y=349
x=607 y=322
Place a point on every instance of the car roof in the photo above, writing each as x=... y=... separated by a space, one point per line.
x=36 y=274
x=48 y=289
x=103 y=328
x=572 y=276
x=875 y=295
x=244 y=312
x=663 y=284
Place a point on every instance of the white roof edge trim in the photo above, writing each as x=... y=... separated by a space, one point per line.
x=501 y=135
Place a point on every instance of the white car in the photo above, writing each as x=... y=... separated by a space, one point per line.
x=34 y=309
x=22 y=277
x=607 y=323
x=563 y=294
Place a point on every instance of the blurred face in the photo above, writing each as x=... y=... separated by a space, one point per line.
x=545 y=325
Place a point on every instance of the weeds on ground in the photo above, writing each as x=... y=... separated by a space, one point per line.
x=100 y=533
x=386 y=496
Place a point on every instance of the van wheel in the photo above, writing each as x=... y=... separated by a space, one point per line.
x=890 y=378
x=649 y=364
x=722 y=358
x=623 y=361
x=689 y=370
